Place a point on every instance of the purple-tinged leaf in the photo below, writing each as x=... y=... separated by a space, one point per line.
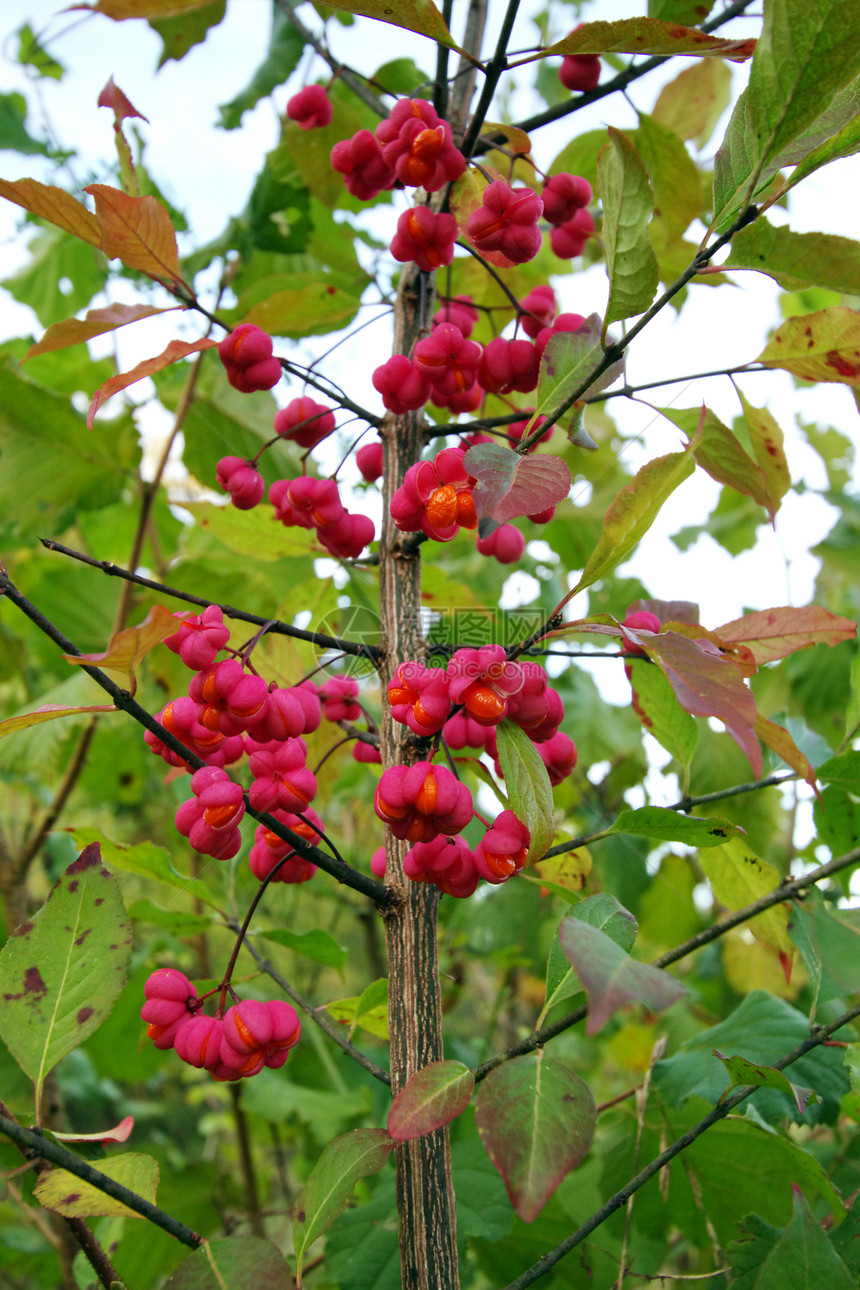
x=610 y=977
x=240 y=1262
x=742 y=1071
x=536 y=1119
x=331 y=1181
x=707 y=684
x=510 y=485
x=776 y=633
x=434 y=1096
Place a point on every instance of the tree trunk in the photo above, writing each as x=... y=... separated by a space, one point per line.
x=425 y=1193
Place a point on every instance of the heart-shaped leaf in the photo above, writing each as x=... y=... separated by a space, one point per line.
x=510 y=484
x=536 y=1119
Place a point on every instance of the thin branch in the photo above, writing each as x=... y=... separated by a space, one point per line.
x=278 y=628
x=344 y=874
x=504 y=286
x=720 y=1112
x=355 y=83
x=322 y=1019
x=42 y=1148
x=628 y=391
x=783 y=892
x=614 y=351
x=619 y=82
x=99 y=1261
x=494 y=69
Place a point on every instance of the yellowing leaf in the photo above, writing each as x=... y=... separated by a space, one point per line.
x=126 y=648
x=119 y=10
x=649 y=36
x=175 y=350
x=569 y=871
x=738 y=877
x=138 y=231
x=692 y=104
x=73 y=331
x=516 y=139
x=56 y=206
x=67 y=1194
x=49 y=712
x=420 y=16
x=822 y=346
x=767 y=443
x=778 y=738
x=623 y=187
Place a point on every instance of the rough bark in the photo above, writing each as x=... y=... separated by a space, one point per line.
x=425 y=1194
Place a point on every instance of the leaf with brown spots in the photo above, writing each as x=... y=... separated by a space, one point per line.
x=822 y=346
x=649 y=36
x=61 y=974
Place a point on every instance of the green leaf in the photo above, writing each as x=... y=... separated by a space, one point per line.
x=844 y=143
x=797 y=260
x=145 y=859
x=174 y=921
x=802 y=1256
x=310 y=310
x=720 y=453
x=633 y=511
x=670 y=826
x=801 y=60
x=67 y=1194
x=568 y=359
x=741 y=1071
x=843 y=770
x=661 y=714
x=58 y=261
x=837 y=941
x=47 y=452
x=286 y=47
x=331 y=1181
x=236 y=1262
x=433 y=1096
x=420 y=16
x=762 y=1028
x=693 y=103
x=738 y=877
x=623 y=187
x=536 y=1118
x=767 y=444
x=605 y=913
x=362 y=1249
x=528 y=786
x=691 y=11
x=184 y=31
x=316 y=944
x=368 y=1010
x=61 y=974
x=248 y=534
x=13 y=134
x=675 y=180
x=32 y=54
x=610 y=977
x=482 y=1206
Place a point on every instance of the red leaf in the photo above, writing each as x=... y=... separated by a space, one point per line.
x=776 y=633
x=510 y=485
x=433 y=1096
x=120 y=1133
x=113 y=97
x=536 y=1119
x=73 y=331
x=610 y=977
x=175 y=350
x=707 y=684
x=138 y=231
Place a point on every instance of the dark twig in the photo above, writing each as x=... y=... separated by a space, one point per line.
x=344 y=874
x=783 y=892
x=42 y=1148
x=273 y=625
x=494 y=69
x=350 y=78
x=725 y=1108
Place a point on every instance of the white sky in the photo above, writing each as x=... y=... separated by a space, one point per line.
x=209 y=174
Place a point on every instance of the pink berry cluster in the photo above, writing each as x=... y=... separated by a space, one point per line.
x=247 y=357
x=232 y=1046
x=412 y=146
x=311 y=108
x=429 y=806
x=315 y=504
